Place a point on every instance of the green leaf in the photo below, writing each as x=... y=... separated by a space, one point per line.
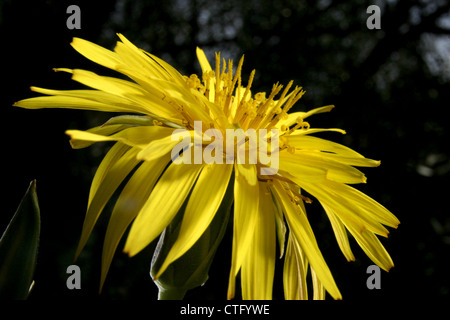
x=191 y=269
x=18 y=248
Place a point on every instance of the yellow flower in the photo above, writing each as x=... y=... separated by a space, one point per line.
x=268 y=205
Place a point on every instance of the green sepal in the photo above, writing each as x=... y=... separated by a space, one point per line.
x=191 y=269
x=132 y=120
x=18 y=248
x=135 y=120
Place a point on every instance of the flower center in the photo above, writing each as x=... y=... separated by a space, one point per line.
x=223 y=87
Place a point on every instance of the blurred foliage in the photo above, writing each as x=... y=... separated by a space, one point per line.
x=390 y=88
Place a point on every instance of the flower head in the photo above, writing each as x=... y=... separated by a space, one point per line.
x=268 y=189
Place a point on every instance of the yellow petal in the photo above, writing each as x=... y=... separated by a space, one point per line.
x=66 y=102
x=280 y=225
x=112 y=157
x=351 y=161
x=138 y=137
x=156 y=64
x=246 y=203
x=136 y=60
x=318 y=289
x=160 y=146
x=113 y=169
x=336 y=196
x=373 y=248
x=334 y=170
x=131 y=199
x=340 y=233
x=202 y=205
x=314 y=143
x=316 y=130
x=290 y=167
x=100 y=130
x=144 y=101
x=84 y=136
x=161 y=207
x=299 y=225
x=96 y=53
x=371 y=207
x=294 y=271
x=258 y=267
x=114 y=101
x=204 y=63
x=309 y=113
x=366 y=239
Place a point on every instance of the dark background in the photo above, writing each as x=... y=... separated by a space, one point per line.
x=390 y=87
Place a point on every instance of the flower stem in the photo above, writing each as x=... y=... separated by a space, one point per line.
x=171 y=293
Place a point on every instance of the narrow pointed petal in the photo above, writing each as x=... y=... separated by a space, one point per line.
x=160 y=146
x=100 y=130
x=299 y=226
x=258 y=268
x=144 y=101
x=350 y=161
x=334 y=170
x=154 y=64
x=110 y=174
x=114 y=101
x=280 y=225
x=96 y=53
x=161 y=207
x=302 y=172
x=294 y=271
x=313 y=143
x=340 y=233
x=311 y=112
x=365 y=207
x=372 y=207
x=204 y=63
x=246 y=204
x=373 y=248
x=318 y=289
x=200 y=210
x=328 y=193
x=139 y=137
x=131 y=199
x=317 y=130
x=66 y=102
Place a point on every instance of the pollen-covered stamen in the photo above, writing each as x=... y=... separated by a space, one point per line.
x=262 y=109
x=300 y=196
x=283 y=95
x=247 y=89
x=294 y=97
x=293 y=195
x=249 y=115
x=188 y=122
x=218 y=75
x=228 y=87
x=237 y=75
x=291 y=149
x=207 y=81
x=299 y=123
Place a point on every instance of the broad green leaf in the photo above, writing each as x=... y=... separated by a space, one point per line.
x=18 y=248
